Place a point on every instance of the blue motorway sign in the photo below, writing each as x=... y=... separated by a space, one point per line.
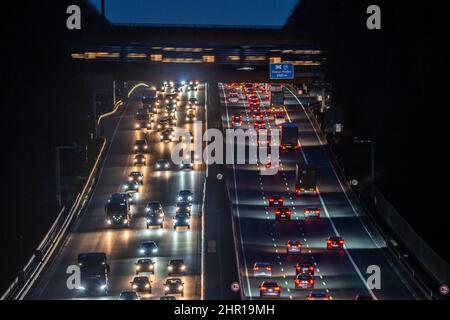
x=281 y=71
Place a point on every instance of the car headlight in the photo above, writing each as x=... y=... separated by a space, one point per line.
x=125 y=186
x=186 y=221
x=170 y=268
x=135 y=147
x=148 y=220
x=190 y=198
x=159 y=220
x=167 y=165
x=147 y=286
x=125 y=221
x=183 y=267
x=81 y=288
x=136 y=125
x=108 y=221
x=166 y=288
x=138 y=267
x=180 y=198
x=157 y=165
x=155 y=250
x=180 y=288
x=141 y=251
x=145 y=147
x=102 y=287
x=135 y=286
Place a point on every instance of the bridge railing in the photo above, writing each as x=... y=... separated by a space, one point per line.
x=54 y=237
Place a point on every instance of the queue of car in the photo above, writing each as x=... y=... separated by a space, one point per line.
x=162 y=107
x=262 y=116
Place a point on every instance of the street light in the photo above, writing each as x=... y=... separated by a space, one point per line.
x=58 y=170
x=372 y=162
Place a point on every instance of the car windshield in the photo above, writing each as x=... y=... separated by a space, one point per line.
x=173 y=281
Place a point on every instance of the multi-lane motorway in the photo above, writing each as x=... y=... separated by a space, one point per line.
x=341 y=274
x=91 y=234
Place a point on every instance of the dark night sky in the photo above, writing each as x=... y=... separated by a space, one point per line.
x=257 y=13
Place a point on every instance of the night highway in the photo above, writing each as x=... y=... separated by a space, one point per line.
x=246 y=158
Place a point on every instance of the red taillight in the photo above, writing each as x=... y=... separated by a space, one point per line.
x=311 y=268
x=268 y=268
x=329 y=242
x=299 y=245
x=255 y=268
x=297 y=282
x=277 y=288
x=289 y=245
x=263 y=288
x=341 y=241
x=311 y=281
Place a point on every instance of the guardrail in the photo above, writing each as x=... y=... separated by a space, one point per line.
x=396 y=249
x=54 y=237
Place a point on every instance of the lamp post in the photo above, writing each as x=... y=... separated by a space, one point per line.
x=58 y=170
x=372 y=162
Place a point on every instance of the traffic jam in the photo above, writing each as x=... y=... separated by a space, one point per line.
x=291 y=271
x=155 y=122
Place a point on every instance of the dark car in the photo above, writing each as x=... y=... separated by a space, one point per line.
x=144 y=265
x=162 y=164
x=283 y=213
x=140 y=284
x=166 y=136
x=185 y=195
x=131 y=186
x=335 y=242
x=154 y=208
x=140 y=146
x=176 y=266
x=148 y=248
x=181 y=220
x=128 y=295
x=305 y=268
x=136 y=176
x=140 y=160
x=174 y=285
x=154 y=221
x=269 y=289
x=304 y=281
x=184 y=206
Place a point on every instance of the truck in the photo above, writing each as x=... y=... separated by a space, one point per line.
x=305 y=179
x=276 y=98
x=117 y=214
x=94 y=271
x=142 y=120
x=289 y=136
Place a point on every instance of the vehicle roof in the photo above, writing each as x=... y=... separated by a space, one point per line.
x=173 y=280
x=141 y=278
x=173 y=261
x=262 y=264
x=270 y=283
x=148 y=243
x=144 y=260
